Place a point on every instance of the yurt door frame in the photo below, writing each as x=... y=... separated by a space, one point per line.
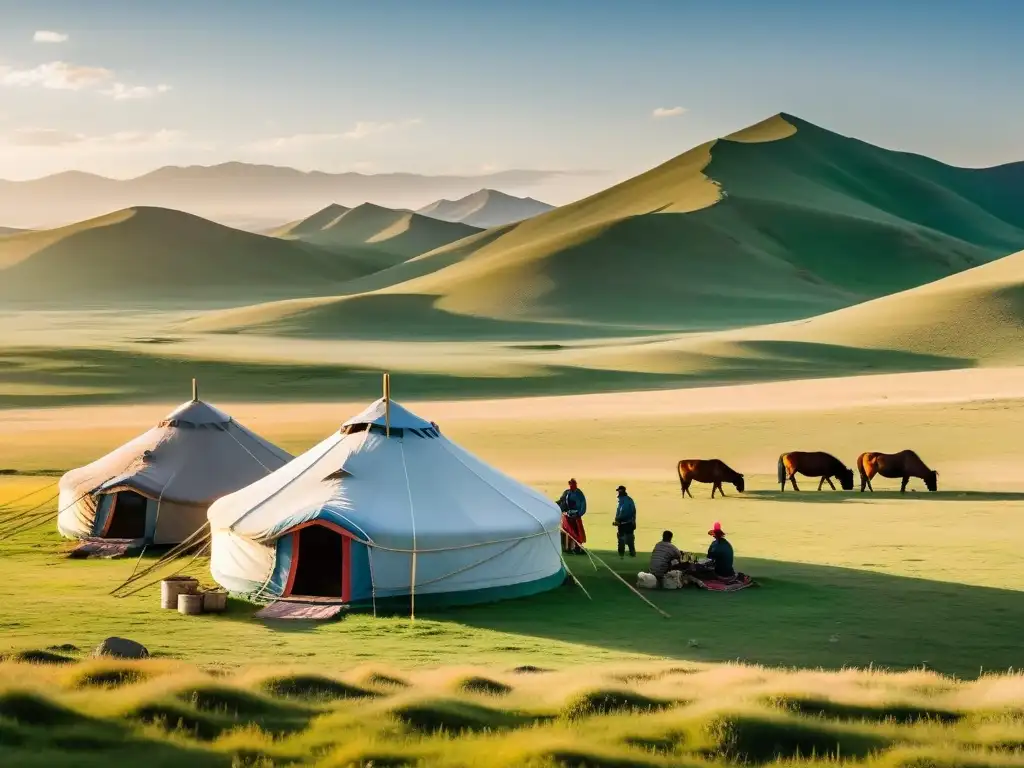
x=116 y=500
x=346 y=560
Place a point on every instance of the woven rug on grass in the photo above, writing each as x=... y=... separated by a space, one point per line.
x=717 y=584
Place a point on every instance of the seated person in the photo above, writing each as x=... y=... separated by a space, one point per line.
x=665 y=557
x=720 y=553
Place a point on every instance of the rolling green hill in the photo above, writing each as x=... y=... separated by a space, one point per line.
x=973 y=318
x=393 y=236
x=140 y=255
x=976 y=316
x=780 y=221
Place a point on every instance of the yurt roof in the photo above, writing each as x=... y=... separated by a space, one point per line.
x=195 y=455
x=195 y=413
x=399 y=417
x=416 y=489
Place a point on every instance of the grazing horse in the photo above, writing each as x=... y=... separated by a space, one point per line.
x=905 y=465
x=814 y=464
x=713 y=471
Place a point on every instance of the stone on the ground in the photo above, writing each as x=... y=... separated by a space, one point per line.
x=120 y=648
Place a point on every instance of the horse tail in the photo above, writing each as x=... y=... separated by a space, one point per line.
x=682 y=484
x=782 y=469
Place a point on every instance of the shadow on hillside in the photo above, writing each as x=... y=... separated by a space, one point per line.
x=801 y=615
x=809 y=494
x=54 y=377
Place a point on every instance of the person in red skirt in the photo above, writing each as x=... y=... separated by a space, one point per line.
x=574 y=506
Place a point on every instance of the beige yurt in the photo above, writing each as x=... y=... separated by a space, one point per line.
x=157 y=488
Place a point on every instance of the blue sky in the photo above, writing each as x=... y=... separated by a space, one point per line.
x=465 y=87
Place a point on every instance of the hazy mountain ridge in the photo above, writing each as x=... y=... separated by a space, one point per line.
x=394 y=235
x=140 y=255
x=235 y=192
x=486 y=208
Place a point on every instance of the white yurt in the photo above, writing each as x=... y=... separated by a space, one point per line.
x=387 y=507
x=157 y=488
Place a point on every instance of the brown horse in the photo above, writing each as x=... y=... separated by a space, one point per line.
x=713 y=471
x=905 y=465
x=814 y=464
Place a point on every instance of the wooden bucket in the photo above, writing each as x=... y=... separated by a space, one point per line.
x=215 y=600
x=176 y=585
x=190 y=604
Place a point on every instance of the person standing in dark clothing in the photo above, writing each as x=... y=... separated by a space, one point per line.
x=625 y=521
x=574 y=506
x=720 y=553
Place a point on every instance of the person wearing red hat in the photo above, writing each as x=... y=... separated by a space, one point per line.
x=720 y=553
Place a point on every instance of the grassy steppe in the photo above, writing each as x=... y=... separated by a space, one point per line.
x=624 y=716
x=847 y=579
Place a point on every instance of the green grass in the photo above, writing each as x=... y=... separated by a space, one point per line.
x=726 y=720
x=847 y=579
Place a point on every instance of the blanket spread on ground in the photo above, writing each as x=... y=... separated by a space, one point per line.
x=714 y=583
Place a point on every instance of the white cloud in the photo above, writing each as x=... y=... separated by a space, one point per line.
x=298 y=141
x=47 y=36
x=53 y=138
x=363 y=129
x=668 y=112
x=58 y=75
x=122 y=92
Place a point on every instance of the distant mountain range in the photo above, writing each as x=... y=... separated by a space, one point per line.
x=144 y=255
x=393 y=235
x=777 y=222
x=780 y=221
x=486 y=208
x=235 y=193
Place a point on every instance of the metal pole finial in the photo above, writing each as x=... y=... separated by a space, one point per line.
x=387 y=404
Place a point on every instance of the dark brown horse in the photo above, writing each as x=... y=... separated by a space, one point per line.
x=713 y=471
x=905 y=465
x=814 y=464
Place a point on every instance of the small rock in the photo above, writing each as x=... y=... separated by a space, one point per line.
x=834 y=639
x=120 y=648
x=693 y=644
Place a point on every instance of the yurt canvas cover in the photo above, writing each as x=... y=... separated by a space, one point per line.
x=365 y=516
x=159 y=486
